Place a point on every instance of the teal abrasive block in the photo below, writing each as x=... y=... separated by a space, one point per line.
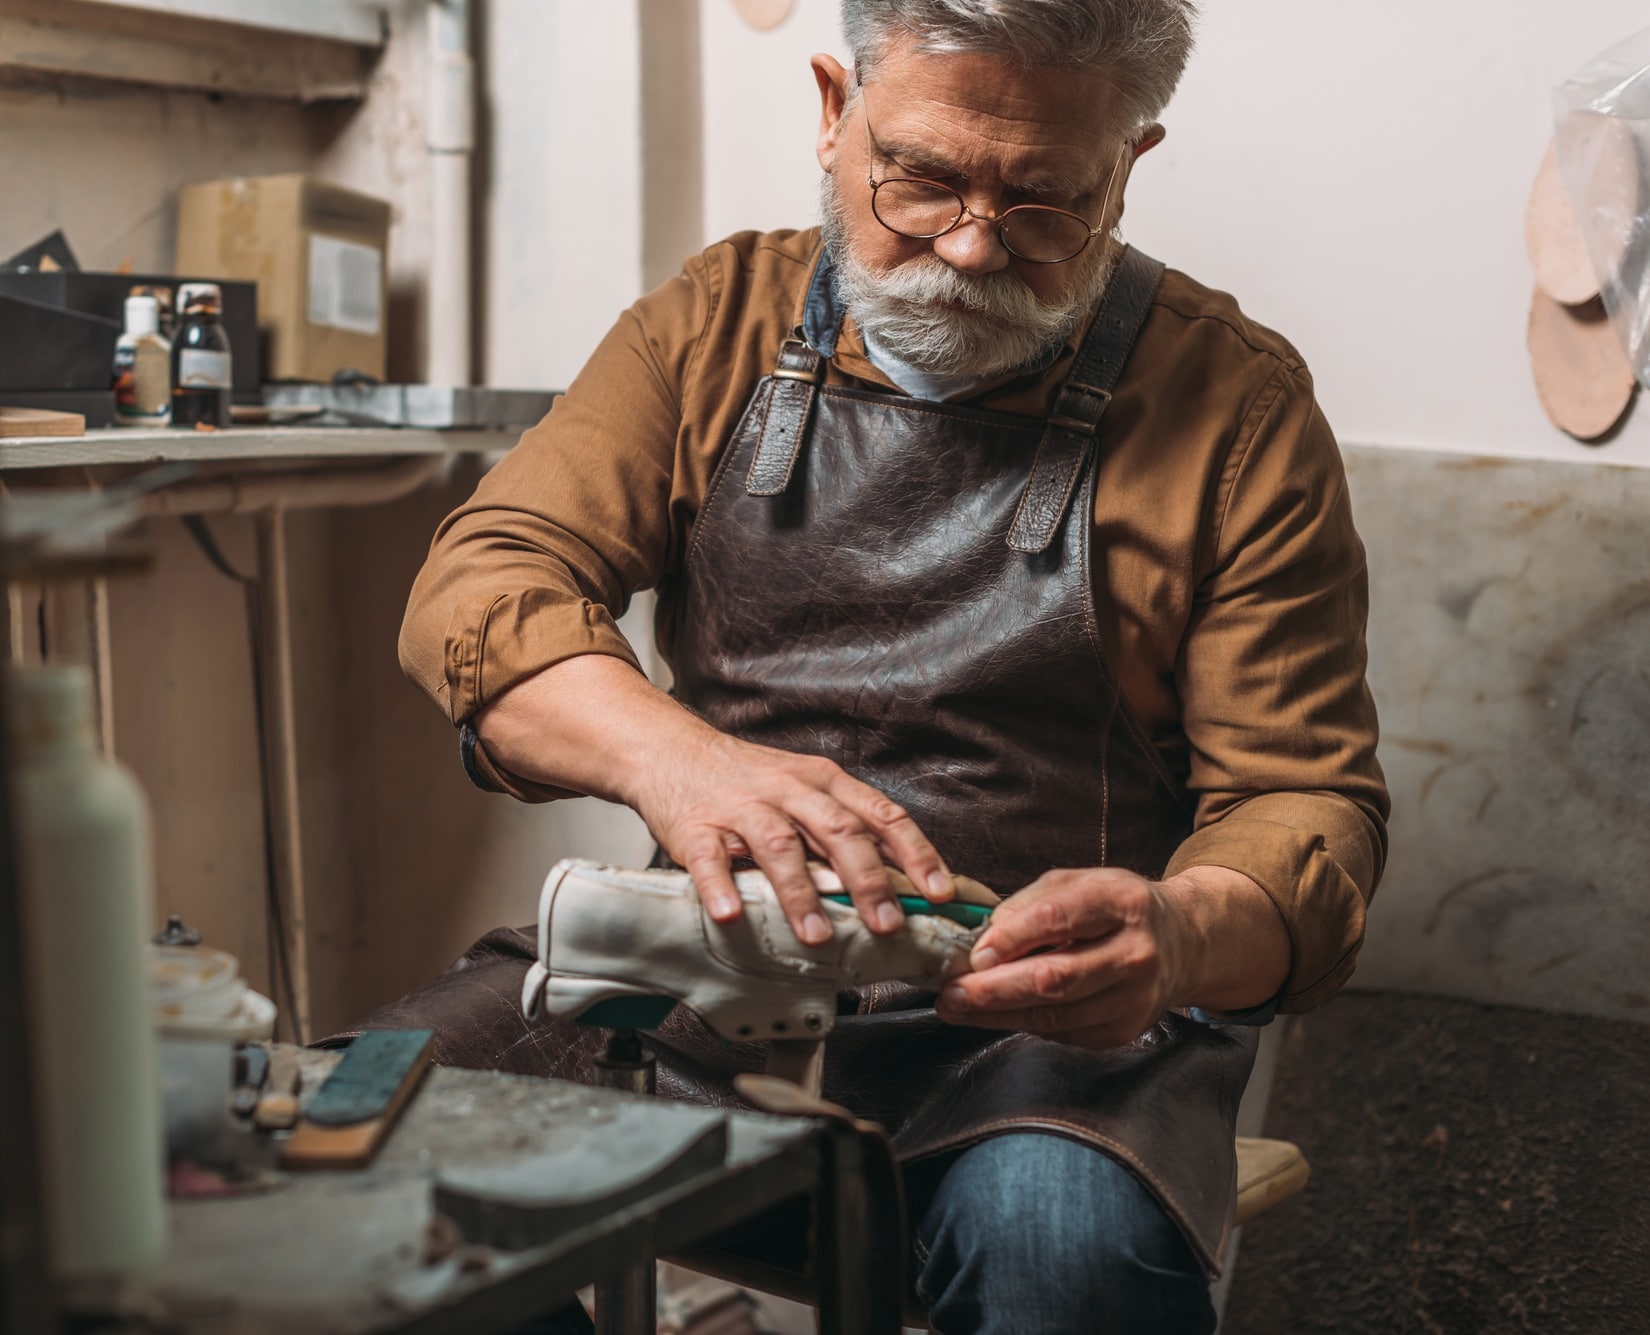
x=365 y=1083
x=969 y=915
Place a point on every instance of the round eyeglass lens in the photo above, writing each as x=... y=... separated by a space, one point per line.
x=1047 y=235
x=916 y=208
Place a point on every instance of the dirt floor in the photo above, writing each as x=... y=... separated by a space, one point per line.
x=1475 y=1170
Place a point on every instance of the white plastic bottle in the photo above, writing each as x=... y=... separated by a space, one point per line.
x=143 y=367
x=84 y=860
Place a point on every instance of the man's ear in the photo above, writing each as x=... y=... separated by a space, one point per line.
x=834 y=82
x=1153 y=135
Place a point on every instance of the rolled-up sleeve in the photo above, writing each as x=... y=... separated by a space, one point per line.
x=1279 y=719
x=536 y=566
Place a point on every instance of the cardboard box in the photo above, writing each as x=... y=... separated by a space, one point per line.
x=317 y=254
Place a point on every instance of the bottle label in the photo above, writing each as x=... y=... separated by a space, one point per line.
x=346 y=285
x=125 y=379
x=143 y=382
x=199 y=368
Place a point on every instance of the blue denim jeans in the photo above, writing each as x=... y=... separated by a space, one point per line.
x=1032 y=1234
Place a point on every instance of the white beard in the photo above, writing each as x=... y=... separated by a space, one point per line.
x=998 y=325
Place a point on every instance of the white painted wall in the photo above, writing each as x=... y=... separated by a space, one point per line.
x=1355 y=172
x=562 y=182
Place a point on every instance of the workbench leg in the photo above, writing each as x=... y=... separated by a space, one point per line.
x=629 y=1305
x=859 y=1238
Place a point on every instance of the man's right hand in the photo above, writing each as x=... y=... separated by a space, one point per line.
x=596 y=725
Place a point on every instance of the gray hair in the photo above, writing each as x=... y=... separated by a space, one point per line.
x=1143 y=44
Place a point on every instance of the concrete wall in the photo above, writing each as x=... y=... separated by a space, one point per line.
x=1509 y=628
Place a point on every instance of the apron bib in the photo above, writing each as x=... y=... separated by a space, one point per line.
x=905 y=588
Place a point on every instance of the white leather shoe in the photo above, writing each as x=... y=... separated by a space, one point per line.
x=634 y=943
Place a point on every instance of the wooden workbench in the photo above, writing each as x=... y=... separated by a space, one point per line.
x=343 y=1253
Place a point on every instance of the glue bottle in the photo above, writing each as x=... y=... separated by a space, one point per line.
x=143 y=367
x=83 y=858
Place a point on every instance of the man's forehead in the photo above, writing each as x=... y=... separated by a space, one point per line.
x=978 y=115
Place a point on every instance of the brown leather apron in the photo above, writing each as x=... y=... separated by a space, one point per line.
x=905 y=587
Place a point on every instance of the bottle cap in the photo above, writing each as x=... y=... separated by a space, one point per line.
x=199 y=294
x=142 y=315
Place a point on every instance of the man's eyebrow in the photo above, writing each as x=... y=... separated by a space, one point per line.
x=923 y=163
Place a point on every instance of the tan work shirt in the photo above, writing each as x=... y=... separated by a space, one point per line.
x=1230 y=583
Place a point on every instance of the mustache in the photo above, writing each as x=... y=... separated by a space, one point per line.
x=930 y=282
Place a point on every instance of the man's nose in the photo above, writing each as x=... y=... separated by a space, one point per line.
x=974 y=245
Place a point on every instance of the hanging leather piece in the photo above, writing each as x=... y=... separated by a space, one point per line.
x=792 y=388
x=1067 y=442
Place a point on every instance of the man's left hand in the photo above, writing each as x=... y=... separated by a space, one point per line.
x=1092 y=957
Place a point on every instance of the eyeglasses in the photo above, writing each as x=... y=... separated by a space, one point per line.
x=923 y=210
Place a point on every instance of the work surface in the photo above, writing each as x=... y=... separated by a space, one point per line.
x=240 y=445
x=335 y=1252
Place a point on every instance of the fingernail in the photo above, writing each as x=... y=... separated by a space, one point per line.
x=725 y=907
x=815 y=930
x=954 y=998
x=940 y=886
x=985 y=958
x=889 y=916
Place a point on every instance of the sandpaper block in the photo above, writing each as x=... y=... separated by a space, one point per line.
x=533 y=1200
x=357 y=1104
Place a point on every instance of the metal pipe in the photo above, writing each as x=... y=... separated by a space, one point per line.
x=629 y=1304
x=281 y=729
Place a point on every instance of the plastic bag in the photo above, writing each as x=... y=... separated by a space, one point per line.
x=1603 y=141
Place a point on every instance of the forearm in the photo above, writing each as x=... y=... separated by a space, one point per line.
x=1235 y=950
x=591 y=724
x=595 y=725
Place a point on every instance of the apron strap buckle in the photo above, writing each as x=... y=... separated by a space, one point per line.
x=793 y=386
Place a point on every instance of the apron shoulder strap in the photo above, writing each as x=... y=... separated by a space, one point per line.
x=1068 y=439
x=793 y=386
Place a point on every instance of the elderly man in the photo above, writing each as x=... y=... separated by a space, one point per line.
x=982 y=544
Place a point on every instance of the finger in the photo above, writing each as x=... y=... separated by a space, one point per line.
x=706 y=860
x=780 y=852
x=845 y=841
x=1057 y=908
x=1057 y=978
x=898 y=837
